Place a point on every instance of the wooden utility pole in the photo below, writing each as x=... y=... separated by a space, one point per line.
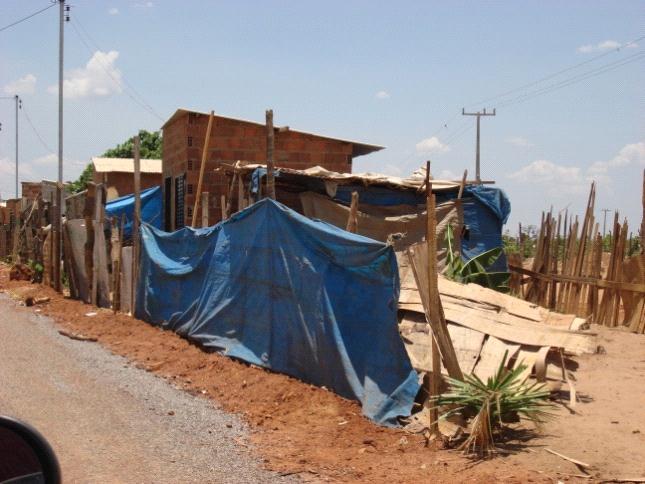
x=479 y=114
x=201 y=169
x=270 y=149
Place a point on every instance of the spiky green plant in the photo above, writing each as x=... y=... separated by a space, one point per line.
x=504 y=397
x=474 y=270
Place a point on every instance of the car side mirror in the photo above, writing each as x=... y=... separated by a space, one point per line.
x=25 y=455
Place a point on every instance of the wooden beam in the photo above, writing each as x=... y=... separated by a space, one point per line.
x=202 y=167
x=270 y=150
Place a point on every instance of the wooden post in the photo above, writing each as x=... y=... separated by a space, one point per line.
x=116 y=265
x=241 y=205
x=204 y=209
x=352 y=220
x=98 y=225
x=223 y=206
x=136 y=221
x=270 y=149
x=57 y=240
x=202 y=167
x=88 y=216
x=229 y=200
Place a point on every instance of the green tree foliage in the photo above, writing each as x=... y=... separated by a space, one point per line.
x=78 y=185
x=150 y=149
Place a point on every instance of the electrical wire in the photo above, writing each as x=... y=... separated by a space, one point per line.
x=556 y=74
x=31 y=124
x=2 y=29
x=573 y=80
x=134 y=95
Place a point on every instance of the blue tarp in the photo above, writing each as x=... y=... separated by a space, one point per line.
x=299 y=296
x=150 y=209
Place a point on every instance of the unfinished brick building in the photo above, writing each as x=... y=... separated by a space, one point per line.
x=232 y=140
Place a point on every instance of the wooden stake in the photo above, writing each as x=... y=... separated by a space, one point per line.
x=270 y=149
x=204 y=209
x=136 y=222
x=88 y=215
x=202 y=167
x=352 y=220
x=223 y=206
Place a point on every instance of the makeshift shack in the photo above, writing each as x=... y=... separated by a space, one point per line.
x=278 y=290
x=389 y=208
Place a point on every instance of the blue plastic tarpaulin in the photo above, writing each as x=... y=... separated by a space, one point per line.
x=150 y=209
x=298 y=296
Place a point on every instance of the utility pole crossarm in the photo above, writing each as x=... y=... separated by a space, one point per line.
x=479 y=114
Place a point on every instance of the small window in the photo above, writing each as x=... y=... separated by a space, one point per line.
x=190 y=141
x=190 y=213
x=189 y=188
x=190 y=165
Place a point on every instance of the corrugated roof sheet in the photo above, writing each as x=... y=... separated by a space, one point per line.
x=358 y=149
x=124 y=165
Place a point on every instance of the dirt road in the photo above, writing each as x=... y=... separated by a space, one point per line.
x=109 y=421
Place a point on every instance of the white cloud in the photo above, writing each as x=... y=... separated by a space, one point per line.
x=431 y=146
x=99 y=77
x=24 y=85
x=519 y=141
x=382 y=95
x=630 y=154
x=113 y=11
x=562 y=179
x=603 y=46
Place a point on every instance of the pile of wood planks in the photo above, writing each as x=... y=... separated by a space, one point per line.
x=567 y=273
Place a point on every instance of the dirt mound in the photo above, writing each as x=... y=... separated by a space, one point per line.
x=298 y=428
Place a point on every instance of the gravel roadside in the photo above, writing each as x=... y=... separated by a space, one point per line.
x=109 y=421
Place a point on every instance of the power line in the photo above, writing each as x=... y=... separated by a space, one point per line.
x=573 y=80
x=31 y=124
x=26 y=18
x=138 y=99
x=556 y=74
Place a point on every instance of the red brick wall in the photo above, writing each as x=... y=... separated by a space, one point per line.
x=232 y=140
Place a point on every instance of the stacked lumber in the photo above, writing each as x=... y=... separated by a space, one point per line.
x=484 y=324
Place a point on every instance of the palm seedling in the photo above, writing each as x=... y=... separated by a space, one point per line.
x=504 y=398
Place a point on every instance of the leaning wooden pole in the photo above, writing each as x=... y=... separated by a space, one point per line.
x=433 y=296
x=202 y=166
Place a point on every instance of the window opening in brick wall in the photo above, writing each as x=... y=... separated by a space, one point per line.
x=190 y=141
x=179 y=201
x=190 y=165
x=189 y=189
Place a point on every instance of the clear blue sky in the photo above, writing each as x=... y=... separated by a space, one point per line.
x=390 y=73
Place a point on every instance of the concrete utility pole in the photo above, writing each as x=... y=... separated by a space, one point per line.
x=57 y=226
x=604 y=220
x=479 y=114
x=18 y=105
